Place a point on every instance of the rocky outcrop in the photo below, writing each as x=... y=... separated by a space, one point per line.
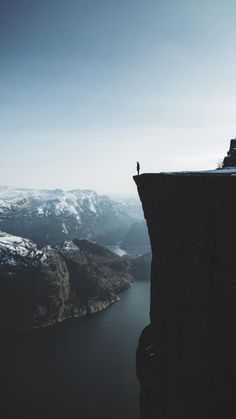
x=96 y=274
x=186 y=356
x=230 y=159
x=39 y=287
x=34 y=284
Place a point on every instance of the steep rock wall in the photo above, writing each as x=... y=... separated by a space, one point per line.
x=186 y=359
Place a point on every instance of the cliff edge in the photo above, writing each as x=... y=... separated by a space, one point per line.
x=186 y=360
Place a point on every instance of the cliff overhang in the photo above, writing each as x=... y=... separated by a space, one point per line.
x=186 y=357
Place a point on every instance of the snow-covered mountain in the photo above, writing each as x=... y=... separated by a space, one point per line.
x=52 y=216
x=19 y=249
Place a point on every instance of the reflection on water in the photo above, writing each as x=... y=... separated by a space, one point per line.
x=83 y=368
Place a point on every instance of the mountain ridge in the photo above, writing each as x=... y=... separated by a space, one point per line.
x=52 y=216
x=40 y=287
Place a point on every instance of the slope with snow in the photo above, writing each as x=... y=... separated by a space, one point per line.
x=52 y=216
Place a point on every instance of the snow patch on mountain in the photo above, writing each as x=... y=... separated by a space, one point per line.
x=48 y=202
x=52 y=216
x=13 y=247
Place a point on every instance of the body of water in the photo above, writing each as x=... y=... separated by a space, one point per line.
x=83 y=368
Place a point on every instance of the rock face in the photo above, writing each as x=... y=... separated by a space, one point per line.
x=39 y=287
x=34 y=284
x=96 y=274
x=186 y=360
x=230 y=159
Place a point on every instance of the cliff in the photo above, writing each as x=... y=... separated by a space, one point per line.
x=186 y=356
x=40 y=287
x=230 y=159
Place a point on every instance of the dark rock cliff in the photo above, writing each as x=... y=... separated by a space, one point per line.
x=96 y=275
x=230 y=159
x=186 y=360
x=34 y=284
x=40 y=287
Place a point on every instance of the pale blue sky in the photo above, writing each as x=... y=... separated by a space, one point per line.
x=87 y=88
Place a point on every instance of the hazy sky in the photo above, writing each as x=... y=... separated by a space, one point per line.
x=88 y=87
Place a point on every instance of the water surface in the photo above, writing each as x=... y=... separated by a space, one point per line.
x=83 y=368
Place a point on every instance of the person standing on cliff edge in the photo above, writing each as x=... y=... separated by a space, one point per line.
x=138 y=167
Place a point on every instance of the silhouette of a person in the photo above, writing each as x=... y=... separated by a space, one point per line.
x=138 y=167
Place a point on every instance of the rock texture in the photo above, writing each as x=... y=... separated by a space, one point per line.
x=186 y=356
x=230 y=159
x=34 y=284
x=96 y=275
x=39 y=287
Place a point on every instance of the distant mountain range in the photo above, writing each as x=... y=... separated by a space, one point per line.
x=51 y=265
x=52 y=216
